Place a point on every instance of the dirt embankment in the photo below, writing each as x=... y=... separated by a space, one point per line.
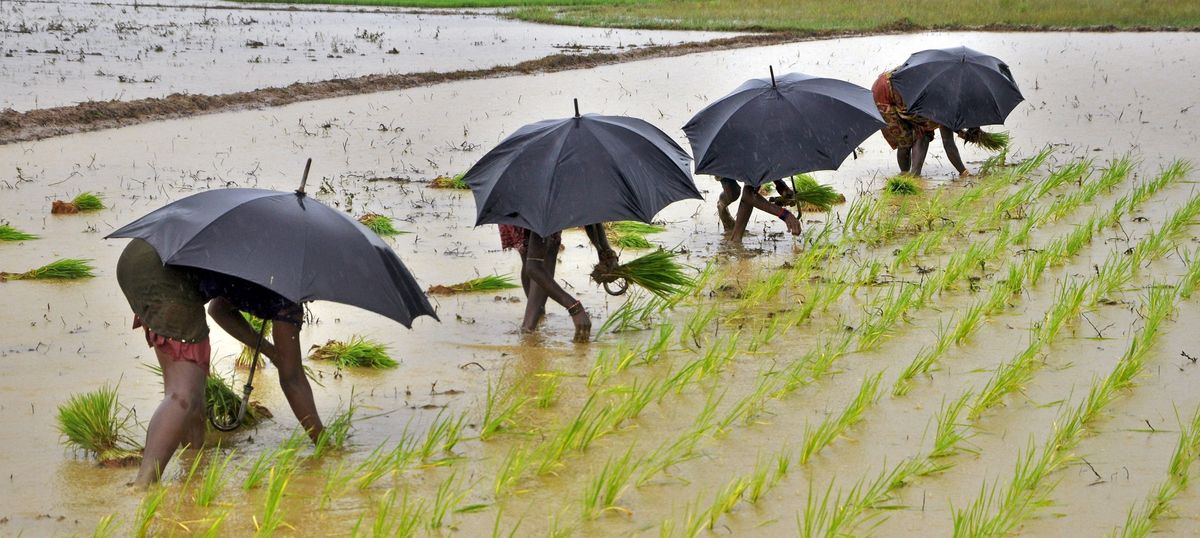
x=91 y=116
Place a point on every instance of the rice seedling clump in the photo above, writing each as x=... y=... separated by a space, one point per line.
x=449 y=182
x=64 y=269
x=483 y=283
x=8 y=233
x=902 y=185
x=657 y=272
x=989 y=141
x=812 y=196
x=358 y=352
x=380 y=224
x=259 y=326
x=85 y=201
x=96 y=423
x=222 y=402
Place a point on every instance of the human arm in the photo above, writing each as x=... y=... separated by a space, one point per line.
x=952 y=151
x=230 y=319
x=604 y=251
x=751 y=198
x=292 y=379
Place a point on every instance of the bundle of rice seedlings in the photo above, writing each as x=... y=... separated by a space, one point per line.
x=86 y=201
x=8 y=233
x=634 y=227
x=631 y=241
x=222 y=402
x=483 y=283
x=64 y=269
x=449 y=182
x=258 y=325
x=989 y=141
x=657 y=272
x=812 y=196
x=902 y=185
x=380 y=224
x=356 y=353
x=98 y=424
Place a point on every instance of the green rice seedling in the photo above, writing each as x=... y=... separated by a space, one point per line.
x=726 y=499
x=657 y=273
x=759 y=482
x=382 y=225
x=96 y=423
x=337 y=432
x=696 y=324
x=286 y=456
x=88 y=201
x=450 y=182
x=997 y=141
x=64 y=269
x=602 y=491
x=511 y=469
x=482 y=284
x=336 y=480
x=1024 y=494
x=951 y=432
x=222 y=401
x=924 y=360
x=446 y=498
x=820 y=437
x=358 y=352
x=147 y=512
x=820 y=517
x=761 y=290
x=547 y=394
x=444 y=434
x=259 y=326
x=1141 y=518
x=215 y=479
x=1038 y=263
x=8 y=233
x=258 y=471
x=1187 y=285
x=812 y=196
x=902 y=186
x=631 y=241
x=106 y=527
x=634 y=227
x=400 y=524
x=500 y=409
x=636 y=399
x=969 y=322
x=1007 y=379
x=377 y=464
x=994 y=163
x=272 y=513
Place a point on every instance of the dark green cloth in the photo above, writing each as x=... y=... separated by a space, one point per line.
x=167 y=299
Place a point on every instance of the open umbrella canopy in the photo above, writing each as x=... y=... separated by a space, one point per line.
x=286 y=242
x=562 y=173
x=769 y=129
x=958 y=87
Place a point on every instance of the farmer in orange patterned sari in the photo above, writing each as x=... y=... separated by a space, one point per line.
x=910 y=134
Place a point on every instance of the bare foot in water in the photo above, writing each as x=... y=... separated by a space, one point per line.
x=723 y=214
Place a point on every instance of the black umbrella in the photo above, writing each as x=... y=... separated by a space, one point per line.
x=562 y=173
x=959 y=88
x=769 y=129
x=288 y=243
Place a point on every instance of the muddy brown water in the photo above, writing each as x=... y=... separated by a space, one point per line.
x=1092 y=95
x=64 y=52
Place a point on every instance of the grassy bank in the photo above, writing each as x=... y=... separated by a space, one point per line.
x=844 y=16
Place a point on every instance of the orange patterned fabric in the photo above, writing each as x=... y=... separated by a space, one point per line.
x=902 y=128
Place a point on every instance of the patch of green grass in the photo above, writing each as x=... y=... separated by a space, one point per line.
x=483 y=283
x=380 y=224
x=64 y=269
x=358 y=352
x=657 y=272
x=88 y=201
x=902 y=185
x=8 y=233
x=96 y=423
x=449 y=182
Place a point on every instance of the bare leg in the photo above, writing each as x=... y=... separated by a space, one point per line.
x=729 y=195
x=745 y=207
x=919 y=150
x=904 y=158
x=178 y=420
x=952 y=151
x=291 y=376
x=751 y=199
x=538 y=294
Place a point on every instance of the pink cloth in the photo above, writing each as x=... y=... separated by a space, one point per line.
x=197 y=352
x=512 y=237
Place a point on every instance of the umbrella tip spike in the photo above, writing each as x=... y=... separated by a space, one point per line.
x=304 y=177
x=576 y=100
x=772 y=68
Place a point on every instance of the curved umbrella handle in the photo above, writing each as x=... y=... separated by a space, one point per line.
x=624 y=286
x=246 y=389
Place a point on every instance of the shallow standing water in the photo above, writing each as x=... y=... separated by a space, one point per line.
x=1095 y=94
x=55 y=53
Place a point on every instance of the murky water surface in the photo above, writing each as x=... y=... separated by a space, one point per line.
x=55 y=53
x=1091 y=95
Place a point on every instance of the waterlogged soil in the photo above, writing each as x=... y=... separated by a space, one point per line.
x=1089 y=95
x=57 y=53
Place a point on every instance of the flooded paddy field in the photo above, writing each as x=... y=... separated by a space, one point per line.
x=801 y=379
x=61 y=53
